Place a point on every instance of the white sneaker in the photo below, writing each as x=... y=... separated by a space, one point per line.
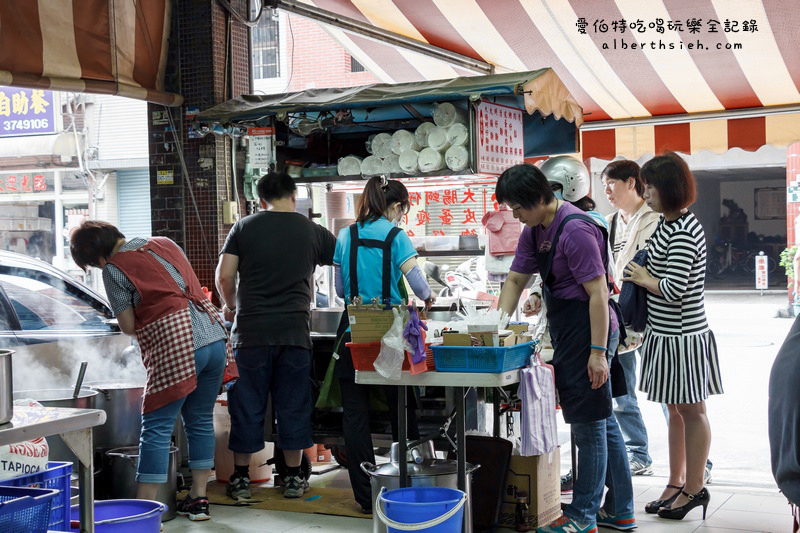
x=640 y=469
x=707 y=476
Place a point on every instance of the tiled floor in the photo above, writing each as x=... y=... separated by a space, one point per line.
x=732 y=509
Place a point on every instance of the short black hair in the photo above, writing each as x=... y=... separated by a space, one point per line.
x=622 y=170
x=670 y=176
x=92 y=240
x=275 y=185
x=525 y=185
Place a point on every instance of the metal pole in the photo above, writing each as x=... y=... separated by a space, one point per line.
x=402 y=435
x=461 y=448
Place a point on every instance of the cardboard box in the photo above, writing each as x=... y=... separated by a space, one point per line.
x=484 y=339
x=368 y=324
x=519 y=329
x=540 y=477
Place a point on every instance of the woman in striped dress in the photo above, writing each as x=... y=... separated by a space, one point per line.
x=679 y=354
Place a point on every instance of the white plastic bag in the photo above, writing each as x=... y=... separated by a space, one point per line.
x=21 y=458
x=389 y=362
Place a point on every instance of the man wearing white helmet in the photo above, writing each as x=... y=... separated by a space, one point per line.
x=569 y=178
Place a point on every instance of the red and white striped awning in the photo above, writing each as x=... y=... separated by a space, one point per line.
x=95 y=46
x=733 y=70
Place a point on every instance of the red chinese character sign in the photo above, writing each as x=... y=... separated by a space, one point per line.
x=500 y=137
x=762 y=274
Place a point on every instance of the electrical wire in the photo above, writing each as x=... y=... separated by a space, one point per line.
x=249 y=23
x=291 y=62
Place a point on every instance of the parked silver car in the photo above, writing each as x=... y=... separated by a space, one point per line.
x=53 y=321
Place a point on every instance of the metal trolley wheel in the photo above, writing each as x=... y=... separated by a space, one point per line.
x=281 y=470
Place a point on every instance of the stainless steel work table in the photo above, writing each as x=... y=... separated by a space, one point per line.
x=458 y=381
x=75 y=427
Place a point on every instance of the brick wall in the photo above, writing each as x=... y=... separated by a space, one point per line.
x=189 y=211
x=311 y=58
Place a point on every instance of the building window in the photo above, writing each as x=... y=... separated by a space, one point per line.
x=266 y=49
x=355 y=66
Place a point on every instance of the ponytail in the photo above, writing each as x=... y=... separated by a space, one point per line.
x=379 y=194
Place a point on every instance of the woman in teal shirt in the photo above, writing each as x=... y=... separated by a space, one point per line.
x=370 y=258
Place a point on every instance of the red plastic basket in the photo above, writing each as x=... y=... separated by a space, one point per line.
x=364 y=355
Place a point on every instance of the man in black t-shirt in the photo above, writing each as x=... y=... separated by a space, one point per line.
x=274 y=253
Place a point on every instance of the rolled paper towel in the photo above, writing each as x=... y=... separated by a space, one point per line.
x=430 y=160
x=349 y=165
x=421 y=133
x=457 y=134
x=446 y=114
x=391 y=165
x=382 y=145
x=457 y=157
x=372 y=165
x=409 y=161
x=403 y=140
x=437 y=139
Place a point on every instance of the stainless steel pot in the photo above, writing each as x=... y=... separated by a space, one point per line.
x=59 y=451
x=122 y=402
x=6 y=387
x=428 y=473
x=415 y=453
x=121 y=464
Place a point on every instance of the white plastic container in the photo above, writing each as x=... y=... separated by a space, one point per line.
x=446 y=114
x=457 y=158
x=372 y=166
x=421 y=133
x=457 y=134
x=437 y=139
x=430 y=160
x=391 y=165
x=382 y=145
x=409 y=161
x=349 y=165
x=403 y=140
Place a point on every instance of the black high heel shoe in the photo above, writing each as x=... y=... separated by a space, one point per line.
x=695 y=500
x=655 y=505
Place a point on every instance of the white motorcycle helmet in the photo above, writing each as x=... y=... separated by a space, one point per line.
x=570 y=174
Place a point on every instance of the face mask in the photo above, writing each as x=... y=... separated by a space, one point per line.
x=559 y=195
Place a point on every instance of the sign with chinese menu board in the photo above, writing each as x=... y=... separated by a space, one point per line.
x=500 y=137
x=260 y=143
x=762 y=272
x=26 y=112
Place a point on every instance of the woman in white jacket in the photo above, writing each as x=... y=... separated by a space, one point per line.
x=629 y=229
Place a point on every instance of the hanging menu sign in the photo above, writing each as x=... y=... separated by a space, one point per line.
x=261 y=141
x=500 y=137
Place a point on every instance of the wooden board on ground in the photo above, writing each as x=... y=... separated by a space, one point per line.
x=318 y=500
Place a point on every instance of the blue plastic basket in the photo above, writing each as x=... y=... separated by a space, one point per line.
x=25 y=510
x=481 y=358
x=55 y=477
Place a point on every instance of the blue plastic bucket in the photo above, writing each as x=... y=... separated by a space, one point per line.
x=431 y=509
x=124 y=516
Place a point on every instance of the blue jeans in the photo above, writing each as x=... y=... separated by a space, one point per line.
x=626 y=411
x=602 y=460
x=197 y=410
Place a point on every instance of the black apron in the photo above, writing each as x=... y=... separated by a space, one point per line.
x=344 y=365
x=570 y=333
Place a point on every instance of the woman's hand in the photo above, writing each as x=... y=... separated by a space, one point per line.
x=598 y=369
x=533 y=305
x=637 y=274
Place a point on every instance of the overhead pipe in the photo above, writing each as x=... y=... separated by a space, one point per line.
x=369 y=31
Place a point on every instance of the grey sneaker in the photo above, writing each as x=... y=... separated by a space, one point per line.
x=294 y=486
x=640 y=469
x=238 y=487
x=707 y=476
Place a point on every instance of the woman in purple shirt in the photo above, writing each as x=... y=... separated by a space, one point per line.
x=569 y=250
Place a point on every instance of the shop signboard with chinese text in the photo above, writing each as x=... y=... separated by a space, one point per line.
x=25 y=182
x=260 y=146
x=500 y=137
x=26 y=112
